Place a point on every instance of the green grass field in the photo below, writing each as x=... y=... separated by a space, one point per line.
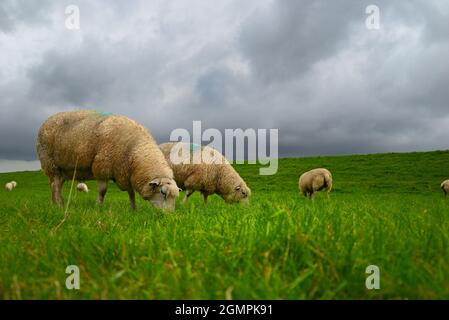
x=386 y=209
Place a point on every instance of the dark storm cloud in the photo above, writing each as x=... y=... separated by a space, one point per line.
x=285 y=39
x=310 y=68
x=94 y=75
x=366 y=91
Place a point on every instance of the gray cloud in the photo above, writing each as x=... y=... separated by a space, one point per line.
x=309 y=68
x=5 y=20
x=23 y=12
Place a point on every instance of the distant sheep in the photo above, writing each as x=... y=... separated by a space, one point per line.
x=105 y=147
x=82 y=187
x=445 y=187
x=212 y=175
x=14 y=184
x=315 y=180
x=9 y=186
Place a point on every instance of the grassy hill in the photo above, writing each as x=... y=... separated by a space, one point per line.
x=385 y=210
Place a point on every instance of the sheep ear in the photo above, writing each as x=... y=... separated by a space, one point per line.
x=180 y=189
x=155 y=182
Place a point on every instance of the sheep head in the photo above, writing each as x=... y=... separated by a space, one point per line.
x=239 y=193
x=162 y=193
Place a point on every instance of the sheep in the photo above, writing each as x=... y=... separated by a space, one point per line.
x=212 y=174
x=445 y=187
x=315 y=180
x=14 y=184
x=82 y=187
x=9 y=186
x=86 y=145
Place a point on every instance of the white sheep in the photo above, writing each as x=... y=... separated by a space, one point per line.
x=82 y=187
x=212 y=175
x=104 y=147
x=9 y=186
x=315 y=180
x=14 y=184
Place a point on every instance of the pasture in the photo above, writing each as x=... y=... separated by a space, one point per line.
x=385 y=210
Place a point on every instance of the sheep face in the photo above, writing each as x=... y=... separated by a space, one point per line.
x=162 y=193
x=240 y=193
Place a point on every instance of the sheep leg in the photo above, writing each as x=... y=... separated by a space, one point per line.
x=205 y=195
x=187 y=195
x=56 y=183
x=102 y=189
x=311 y=197
x=329 y=188
x=132 y=199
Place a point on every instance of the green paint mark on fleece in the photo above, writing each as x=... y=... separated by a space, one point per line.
x=104 y=114
x=194 y=147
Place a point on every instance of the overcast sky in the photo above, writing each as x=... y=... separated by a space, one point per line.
x=310 y=68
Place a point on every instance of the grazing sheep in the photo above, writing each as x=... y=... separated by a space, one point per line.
x=14 y=184
x=445 y=187
x=82 y=187
x=9 y=186
x=212 y=174
x=315 y=180
x=105 y=147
